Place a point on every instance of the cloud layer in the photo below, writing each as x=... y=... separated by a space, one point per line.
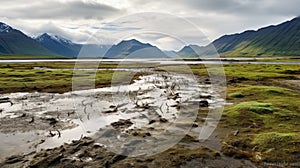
x=79 y=19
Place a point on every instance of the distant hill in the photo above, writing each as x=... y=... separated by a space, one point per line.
x=189 y=51
x=279 y=40
x=93 y=50
x=65 y=47
x=14 y=42
x=58 y=45
x=134 y=49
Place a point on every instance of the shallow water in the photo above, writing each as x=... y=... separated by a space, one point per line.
x=85 y=111
x=161 y=61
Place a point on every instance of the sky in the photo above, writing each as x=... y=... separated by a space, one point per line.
x=169 y=24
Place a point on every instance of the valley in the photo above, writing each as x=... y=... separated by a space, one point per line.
x=258 y=126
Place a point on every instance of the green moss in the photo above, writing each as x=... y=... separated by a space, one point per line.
x=277 y=140
x=255 y=107
x=236 y=95
x=259 y=72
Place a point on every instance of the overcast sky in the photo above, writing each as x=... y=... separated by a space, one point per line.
x=181 y=21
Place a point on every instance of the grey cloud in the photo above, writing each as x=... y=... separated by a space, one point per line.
x=236 y=7
x=78 y=19
x=59 y=10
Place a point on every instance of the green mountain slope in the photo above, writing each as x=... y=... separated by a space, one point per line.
x=14 y=42
x=279 y=40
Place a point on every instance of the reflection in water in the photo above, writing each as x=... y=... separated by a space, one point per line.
x=163 y=104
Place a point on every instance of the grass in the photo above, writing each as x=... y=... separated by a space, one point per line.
x=264 y=110
x=260 y=72
x=266 y=114
x=236 y=95
x=24 y=78
x=255 y=107
x=268 y=120
x=247 y=71
x=265 y=141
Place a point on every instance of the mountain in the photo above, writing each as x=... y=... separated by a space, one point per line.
x=278 y=40
x=65 y=47
x=58 y=45
x=134 y=49
x=190 y=51
x=93 y=50
x=170 y=53
x=15 y=42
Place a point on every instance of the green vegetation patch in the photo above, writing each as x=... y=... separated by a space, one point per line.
x=255 y=107
x=276 y=140
x=25 y=78
x=236 y=95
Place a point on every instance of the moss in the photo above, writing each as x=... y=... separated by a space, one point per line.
x=255 y=107
x=236 y=95
x=24 y=78
x=276 y=140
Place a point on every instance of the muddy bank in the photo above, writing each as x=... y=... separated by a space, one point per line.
x=153 y=115
x=87 y=153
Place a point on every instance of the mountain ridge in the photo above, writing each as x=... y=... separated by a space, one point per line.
x=274 y=40
x=15 y=42
x=58 y=45
x=131 y=48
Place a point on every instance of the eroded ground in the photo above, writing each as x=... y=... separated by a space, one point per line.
x=259 y=127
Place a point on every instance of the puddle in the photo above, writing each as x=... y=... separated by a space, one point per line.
x=44 y=120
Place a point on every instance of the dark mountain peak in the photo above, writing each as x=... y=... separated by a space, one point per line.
x=127 y=47
x=134 y=42
x=191 y=50
x=50 y=37
x=131 y=41
x=15 y=42
x=58 y=44
x=296 y=19
x=45 y=35
x=5 y=28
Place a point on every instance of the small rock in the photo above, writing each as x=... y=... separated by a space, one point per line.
x=163 y=120
x=236 y=132
x=110 y=133
x=195 y=125
x=151 y=122
x=203 y=103
x=14 y=159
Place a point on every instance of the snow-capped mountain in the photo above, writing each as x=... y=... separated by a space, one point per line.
x=59 y=44
x=65 y=47
x=15 y=42
x=4 y=28
x=59 y=39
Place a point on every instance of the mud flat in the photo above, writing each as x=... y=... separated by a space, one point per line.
x=156 y=121
x=145 y=119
